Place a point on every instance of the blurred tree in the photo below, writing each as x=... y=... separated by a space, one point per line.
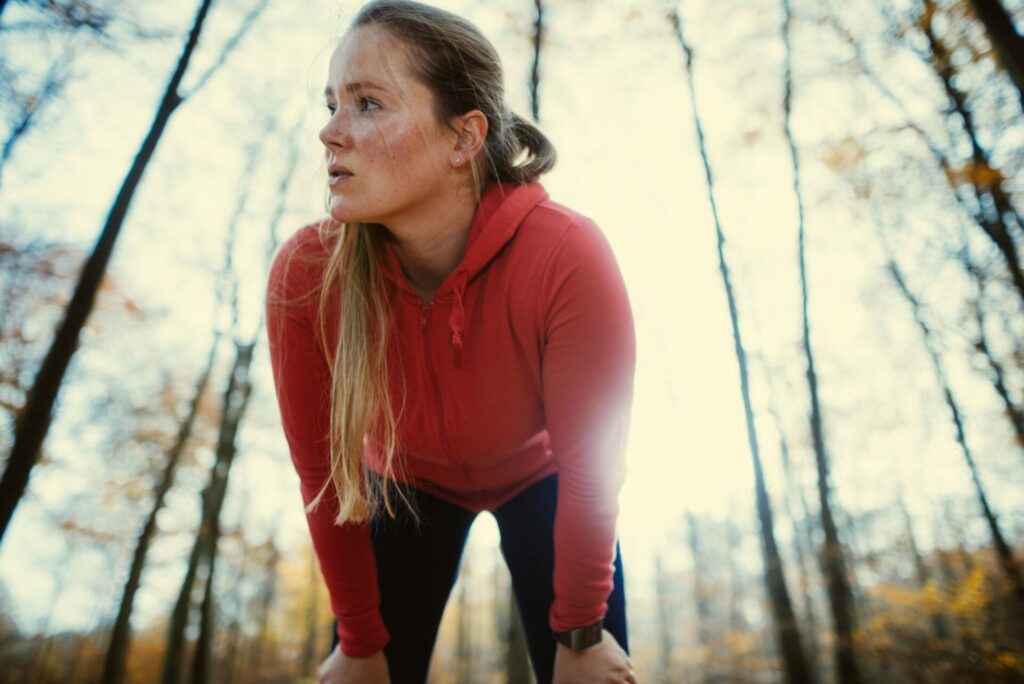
x=36 y=416
x=1005 y=38
x=787 y=632
x=1008 y=561
x=204 y=550
x=538 y=41
x=117 y=650
x=831 y=555
x=665 y=621
x=996 y=214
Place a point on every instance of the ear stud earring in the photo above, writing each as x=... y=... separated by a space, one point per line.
x=456 y=159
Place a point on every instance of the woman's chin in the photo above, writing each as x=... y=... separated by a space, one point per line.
x=342 y=213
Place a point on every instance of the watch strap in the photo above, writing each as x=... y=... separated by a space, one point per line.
x=582 y=637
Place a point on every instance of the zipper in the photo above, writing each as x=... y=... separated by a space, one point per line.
x=449 y=454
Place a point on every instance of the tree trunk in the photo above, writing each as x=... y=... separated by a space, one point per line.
x=921 y=572
x=988 y=185
x=1007 y=561
x=700 y=598
x=236 y=399
x=1004 y=38
x=117 y=651
x=786 y=629
x=201 y=658
x=832 y=557
x=661 y=593
x=999 y=379
x=35 y=418
x=227 y=670
x=29 y=112
x=538 y=39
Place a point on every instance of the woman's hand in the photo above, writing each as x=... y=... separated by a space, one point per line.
x=603 y=663
x=339 y=668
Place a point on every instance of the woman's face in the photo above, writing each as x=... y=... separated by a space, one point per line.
x=387 y=156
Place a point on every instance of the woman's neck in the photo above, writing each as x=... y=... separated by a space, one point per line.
x=431 y=246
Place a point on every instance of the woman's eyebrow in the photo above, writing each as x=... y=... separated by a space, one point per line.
x=356 y=87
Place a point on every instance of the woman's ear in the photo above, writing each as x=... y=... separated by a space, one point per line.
x=471 y=129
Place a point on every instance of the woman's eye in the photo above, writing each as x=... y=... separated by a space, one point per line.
x=366 y=103
x=331 y=108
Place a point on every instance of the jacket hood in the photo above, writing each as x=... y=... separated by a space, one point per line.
x=501 y=210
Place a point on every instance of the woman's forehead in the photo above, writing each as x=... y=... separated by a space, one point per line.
x=368 y=56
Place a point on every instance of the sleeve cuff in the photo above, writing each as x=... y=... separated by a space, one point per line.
x=362 y=635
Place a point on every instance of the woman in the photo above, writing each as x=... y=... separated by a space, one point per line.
x=449 y=341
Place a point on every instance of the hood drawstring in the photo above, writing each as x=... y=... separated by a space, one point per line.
x=457 y=319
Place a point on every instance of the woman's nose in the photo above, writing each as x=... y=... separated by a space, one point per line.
x=335 y=131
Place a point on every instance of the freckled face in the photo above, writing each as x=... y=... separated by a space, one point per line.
x=387 y=156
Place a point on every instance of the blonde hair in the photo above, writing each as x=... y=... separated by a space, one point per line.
x=435 y=41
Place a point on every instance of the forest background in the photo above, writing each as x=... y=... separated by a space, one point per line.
x=816 y=206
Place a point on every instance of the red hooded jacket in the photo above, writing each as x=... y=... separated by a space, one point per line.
x=520 y=365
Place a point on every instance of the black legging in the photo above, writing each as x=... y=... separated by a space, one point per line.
x=416 y=573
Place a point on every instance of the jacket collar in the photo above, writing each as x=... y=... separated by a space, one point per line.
x=501 y=210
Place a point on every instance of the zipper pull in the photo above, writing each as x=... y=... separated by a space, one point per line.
x=424 y=312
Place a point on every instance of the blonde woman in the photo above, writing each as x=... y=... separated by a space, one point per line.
x=450 y=340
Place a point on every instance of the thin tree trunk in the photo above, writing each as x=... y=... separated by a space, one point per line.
x=996 y=224
x=538 y=38
x=1004 y=37
x=999 y=380
x=54 y=80
x=117 y=651
x=664 y=622
x=201 y=659
x=35 y=418
x=832 y=558
x=921 y=572
x=738 y=624
x=786 y=629
x=236 y=399
x=1007 y=561
x=802 y=548
x=803 y=541
x=700 y=598
x=234 y=631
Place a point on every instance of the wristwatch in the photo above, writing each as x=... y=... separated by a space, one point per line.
x=581 y=638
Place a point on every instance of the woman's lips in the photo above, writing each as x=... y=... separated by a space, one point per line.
x=336 y=178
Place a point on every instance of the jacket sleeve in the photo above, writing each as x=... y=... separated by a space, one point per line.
x=302 y=385
x=588 y=365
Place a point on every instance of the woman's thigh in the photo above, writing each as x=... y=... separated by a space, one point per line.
x=527 y=525
x=417 y=566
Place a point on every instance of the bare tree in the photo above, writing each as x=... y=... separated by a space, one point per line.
x=117 y=650
x=832 y=558
x=661 y=594
x=35 y=418
x=204 y=550
x=787 y=631
x=538 y=41
x=999 y=222
x=1005 y=39
x=1008 y=562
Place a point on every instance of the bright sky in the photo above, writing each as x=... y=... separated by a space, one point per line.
x=614 y=102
